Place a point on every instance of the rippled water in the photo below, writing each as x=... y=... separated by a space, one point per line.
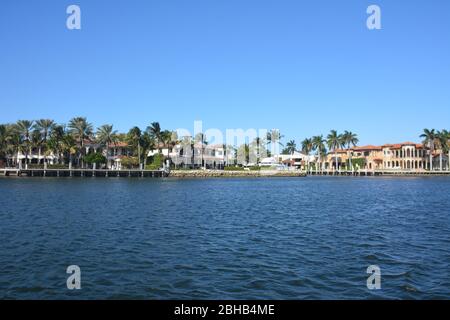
x=299 y=238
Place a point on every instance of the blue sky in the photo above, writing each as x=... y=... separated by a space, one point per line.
x=304 y=67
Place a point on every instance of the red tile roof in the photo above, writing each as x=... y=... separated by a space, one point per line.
x=119 y=144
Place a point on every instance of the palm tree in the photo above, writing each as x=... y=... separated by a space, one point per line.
x=446 y=144
x=44 y=126
x=307 y=147
x=429 y=137
x=146 y=143
x=334 y=141
x=106 y=136
x=258 y=142
x=318 y=144
x=291 y=147
x=201 y=138
x=55 y=141
x=23 y=129
x=36 y=142
x=5 y=139
x=170 y=139
x=134 y=138
x=443 y=139
x=155 y=131
x=350 y=139
x=274 y=137
x=80 y=129
x=243 y=153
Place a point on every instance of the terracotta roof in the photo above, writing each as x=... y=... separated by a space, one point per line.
x=119 y=144
x=400 y=145
x=367 y=148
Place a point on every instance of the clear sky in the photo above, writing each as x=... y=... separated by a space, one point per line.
x=304 y=67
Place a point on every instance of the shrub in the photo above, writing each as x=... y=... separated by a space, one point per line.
x=96 y=158
x=156 y=162
x=130 y=162
x=233 y=168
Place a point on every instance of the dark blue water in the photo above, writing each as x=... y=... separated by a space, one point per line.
x=299 y=238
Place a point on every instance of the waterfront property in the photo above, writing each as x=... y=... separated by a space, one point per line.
x=401 y=156
x=214 y=156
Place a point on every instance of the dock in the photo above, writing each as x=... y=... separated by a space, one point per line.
x=105 y=173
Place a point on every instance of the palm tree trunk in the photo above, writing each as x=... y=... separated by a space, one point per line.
x=336 y=158
x=448 y=160
x=139 y=155
x=431 y=161
x=440 y=161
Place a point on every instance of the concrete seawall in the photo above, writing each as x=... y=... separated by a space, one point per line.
x=236 y=174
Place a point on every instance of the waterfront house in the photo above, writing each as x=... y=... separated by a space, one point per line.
x=400 y=156
x=214 y=156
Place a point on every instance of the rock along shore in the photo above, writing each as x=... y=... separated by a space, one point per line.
x=236 y=174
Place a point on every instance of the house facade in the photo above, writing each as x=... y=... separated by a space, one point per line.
x=199 y=155
x=401 y=156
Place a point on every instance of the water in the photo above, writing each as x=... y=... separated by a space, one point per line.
x=275 y=238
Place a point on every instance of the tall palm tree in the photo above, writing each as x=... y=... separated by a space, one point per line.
x=307 y=147
x=44 y=126
x=201 y=138
x=155 y=131
x=350 y=139
x=291 y=147
x=443 y=138
x=258 y=142
x=446 y=137
x=334 y=141
x=36 y=141
x=134 y=139
x=9 y=143
x=147 y=143
x=107 y=136
x=3 y=140
x=429 y=137
x=23 y=129
x=55 y=142
x=274 y=137
x=318 y=144
x=81 y=130
x=170 y=139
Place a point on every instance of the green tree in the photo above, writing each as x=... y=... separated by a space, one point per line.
x=156 y=133
x=202 y=140
x=335 y=141
x=81 y=130
x=107 y=136
x=45 y=127
x=23 y=129
x=291 y=147
x=274 y=137
x=95 y=158
x=318 y=144
x=429 y=139
x=134 y=140
x=350 y=139
x=443 y=145
x=307 y=147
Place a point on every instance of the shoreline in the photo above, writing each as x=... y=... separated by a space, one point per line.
x=130 y=173
x=234 y=174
